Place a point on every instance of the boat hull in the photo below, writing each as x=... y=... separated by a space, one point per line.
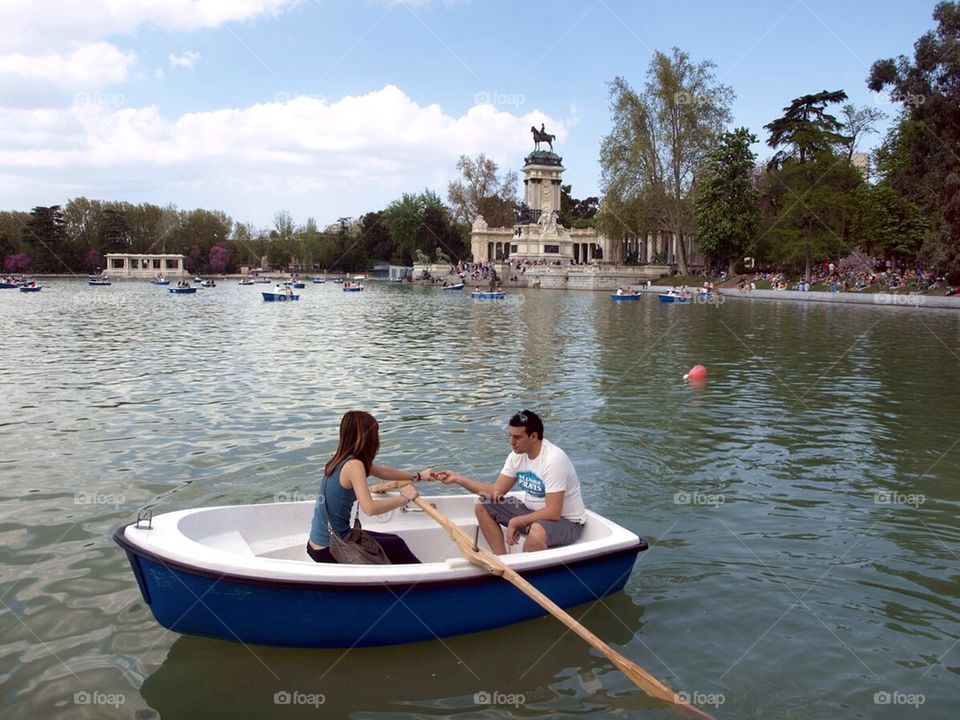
x=279 y=297
x=666 y=298
x=488 y=295
x=31 y=288
x=453 y=287
x=292 y=614
x=182 y=291
x=353 y=289
x=242 y=573
x=626 y=297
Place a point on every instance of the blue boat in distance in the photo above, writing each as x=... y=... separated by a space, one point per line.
x=182 y=290
x=458 y=286
x=279 y=296
x=625 y=296
x=488 y=295
x=250 y=566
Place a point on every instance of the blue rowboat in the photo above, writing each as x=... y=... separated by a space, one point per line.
x=626 y=296
x=671 y=297
x=318 y=281
x=488 y=295
x=279 y=297
x=31 y=288
x=338 y=281
x=207 y=283
x=458 y=286
x=353 y=288
x=98 y=282
x=241 y=573
x=182 y=290
x=297 y=284
x=8 y=286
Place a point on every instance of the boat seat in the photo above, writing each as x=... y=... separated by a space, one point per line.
x=229 y=541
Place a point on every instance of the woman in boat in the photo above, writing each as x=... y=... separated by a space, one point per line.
x=345 y=476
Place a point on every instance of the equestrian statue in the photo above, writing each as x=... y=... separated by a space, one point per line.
x=540 y=136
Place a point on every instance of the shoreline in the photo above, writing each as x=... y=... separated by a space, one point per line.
x=888 y=299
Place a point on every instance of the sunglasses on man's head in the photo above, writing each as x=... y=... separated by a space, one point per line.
x=522 y=417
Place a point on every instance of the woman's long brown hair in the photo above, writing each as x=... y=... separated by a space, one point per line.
x=359 y=437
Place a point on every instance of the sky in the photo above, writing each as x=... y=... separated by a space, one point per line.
x=334 y=108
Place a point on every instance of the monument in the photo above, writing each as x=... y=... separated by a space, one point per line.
x=537 y=234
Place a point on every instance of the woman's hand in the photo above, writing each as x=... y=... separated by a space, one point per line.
x=409 y=492
x=428 y=474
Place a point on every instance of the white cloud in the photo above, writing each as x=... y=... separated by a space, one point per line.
x=90 y=65
x=32 y=27
x=304 y=154
x=185 y=59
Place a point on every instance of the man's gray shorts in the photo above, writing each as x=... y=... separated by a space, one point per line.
x=559 y=532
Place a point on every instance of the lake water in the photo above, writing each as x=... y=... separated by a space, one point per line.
x=801 y=507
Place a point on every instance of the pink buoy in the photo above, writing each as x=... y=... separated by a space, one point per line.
x=697 y=372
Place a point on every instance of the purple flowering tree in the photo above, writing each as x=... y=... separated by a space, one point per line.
x=93 y=261
x=219 y=258
x=193 y=258
x=18 y=263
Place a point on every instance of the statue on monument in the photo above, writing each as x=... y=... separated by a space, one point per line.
x=542 y=135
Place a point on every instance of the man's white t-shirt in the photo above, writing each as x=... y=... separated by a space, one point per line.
x=551 y=471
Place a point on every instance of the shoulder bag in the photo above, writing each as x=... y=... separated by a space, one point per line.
x=356 y=546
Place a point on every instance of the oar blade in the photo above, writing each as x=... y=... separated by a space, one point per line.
x=487 y=560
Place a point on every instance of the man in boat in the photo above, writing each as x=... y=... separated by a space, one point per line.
x=550 y=513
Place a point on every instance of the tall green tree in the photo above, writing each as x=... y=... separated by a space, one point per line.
x=576 y=213
x=421 y=222
x=727 y=202
x=921 y=154
x=47 y=235
x=887 y=224
x=481 y=191
x=806 y=128
x=810 y=208
x=859 y=122
x=659 y=142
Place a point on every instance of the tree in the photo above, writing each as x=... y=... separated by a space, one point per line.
x=574 y=212
x=810 y=207
x=806 y=128
x=93 y=261
x=659 y=142
x=919 y=157
x=480 y=191
x=858 y=122
x=421 y=222
x=727 y=203
x=18 y=263
x=45 y=230
x=887 y=224
x=219 y=258
x=376 y=239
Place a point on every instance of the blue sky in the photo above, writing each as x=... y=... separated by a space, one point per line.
x=326 y=108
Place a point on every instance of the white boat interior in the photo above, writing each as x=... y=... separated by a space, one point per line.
x=268 y=541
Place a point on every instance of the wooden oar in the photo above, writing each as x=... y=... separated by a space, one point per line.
x=389 y=485
x=487 y=560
